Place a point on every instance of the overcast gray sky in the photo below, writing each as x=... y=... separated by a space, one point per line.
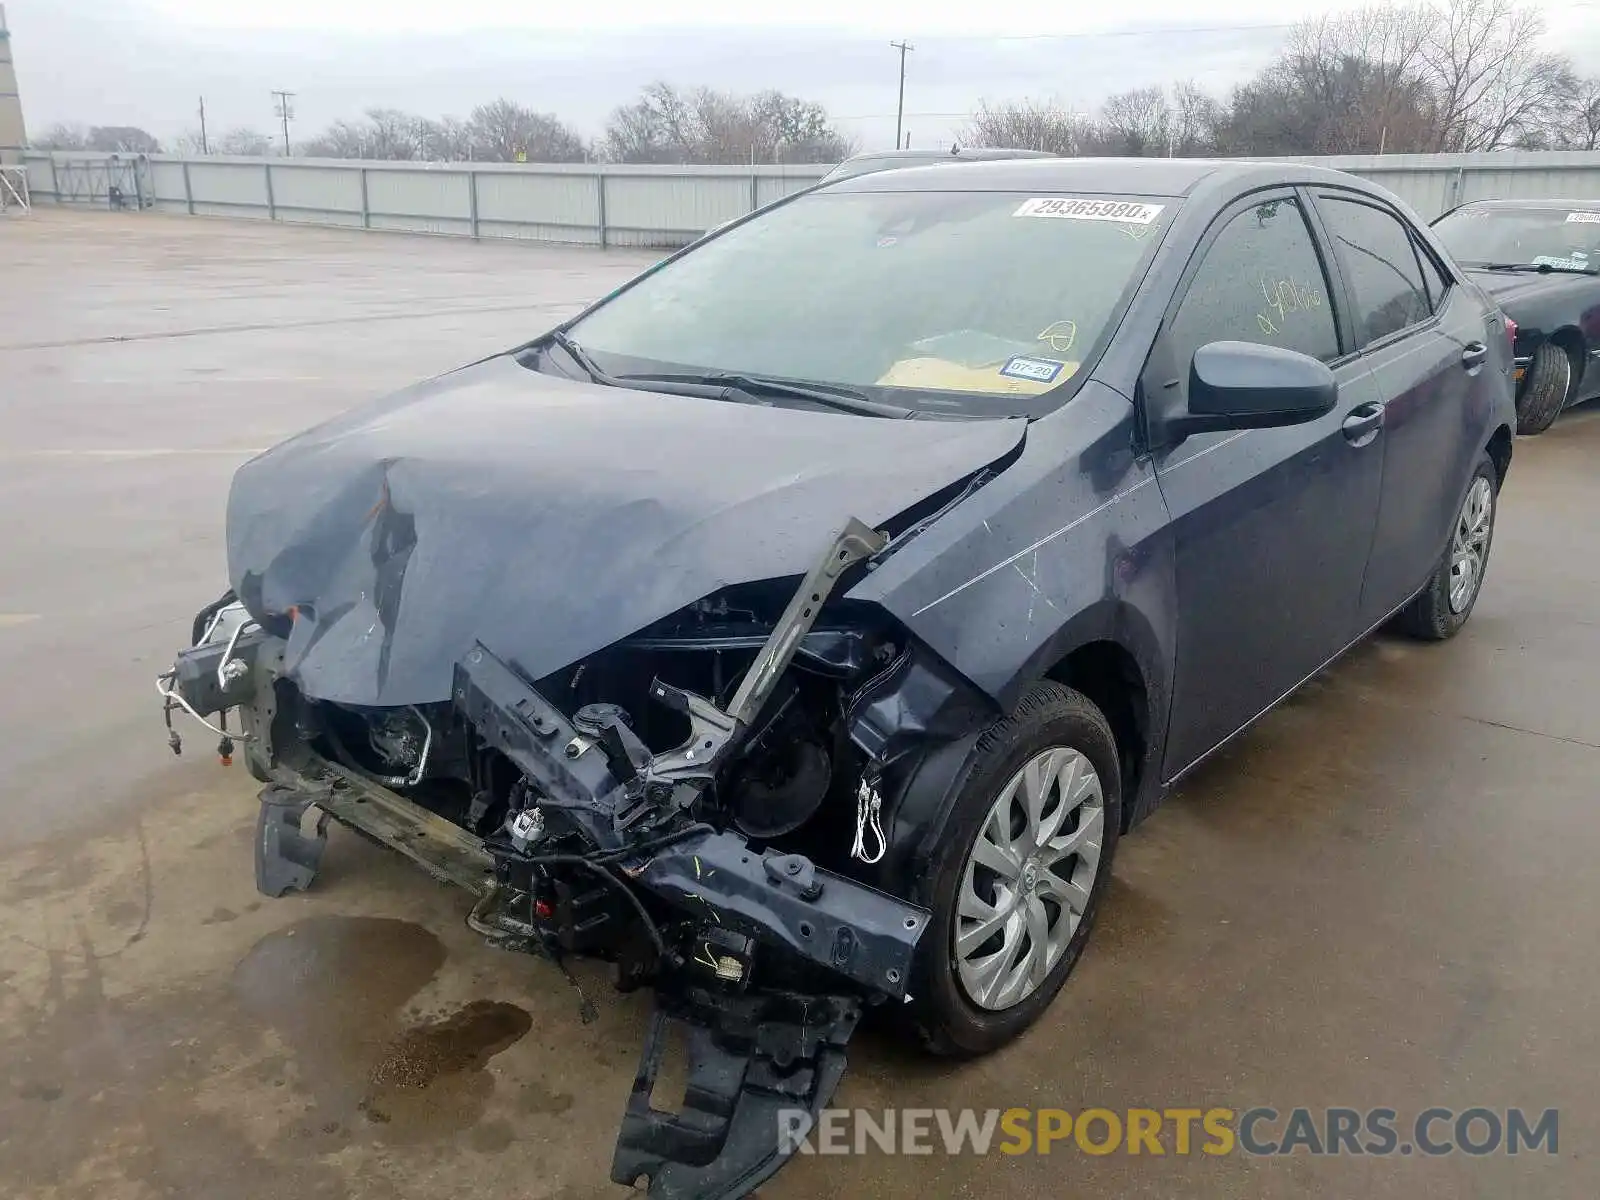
x=146 y=62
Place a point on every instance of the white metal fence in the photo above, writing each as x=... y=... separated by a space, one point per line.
x=552 y=202
x=627 y=205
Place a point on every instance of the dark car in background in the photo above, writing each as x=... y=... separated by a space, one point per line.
x=870 y=161
x=800 y=627
x=1540 y=260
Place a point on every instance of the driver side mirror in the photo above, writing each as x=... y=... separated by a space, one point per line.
x=1244 y=385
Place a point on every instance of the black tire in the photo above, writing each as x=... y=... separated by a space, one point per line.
x=1430 y=616
x=1046 y=716
x=1545 y=390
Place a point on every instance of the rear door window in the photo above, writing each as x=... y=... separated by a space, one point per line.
x=1375 y=248
x=1260 y=281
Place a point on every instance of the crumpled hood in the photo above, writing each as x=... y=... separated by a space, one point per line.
x=548 y=518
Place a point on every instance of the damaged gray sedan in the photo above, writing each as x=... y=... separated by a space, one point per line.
x=799 y=628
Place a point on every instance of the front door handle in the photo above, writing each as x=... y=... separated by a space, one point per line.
x=1362 y=424
x=1474 y=354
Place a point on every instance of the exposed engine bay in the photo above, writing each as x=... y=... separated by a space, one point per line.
x=702 y=804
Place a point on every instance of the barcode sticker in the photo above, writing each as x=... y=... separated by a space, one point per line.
x=1073 y=208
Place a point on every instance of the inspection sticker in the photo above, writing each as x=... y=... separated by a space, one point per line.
x=1075 y=208
x=1587 y=218
x=1040 y=370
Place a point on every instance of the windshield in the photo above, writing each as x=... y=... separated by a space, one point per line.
x=1559 y=238
x=976 y=303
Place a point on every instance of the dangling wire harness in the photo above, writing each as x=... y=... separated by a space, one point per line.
x=869 y=803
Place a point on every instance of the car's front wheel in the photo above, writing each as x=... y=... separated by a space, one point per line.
x=1026 y=861
x=1545 y=390
x=1442 y=608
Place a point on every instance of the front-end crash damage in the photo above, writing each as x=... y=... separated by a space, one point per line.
x=703 y=803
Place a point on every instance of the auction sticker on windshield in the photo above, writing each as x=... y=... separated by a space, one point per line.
x=1074 y=208
x=1577 y=261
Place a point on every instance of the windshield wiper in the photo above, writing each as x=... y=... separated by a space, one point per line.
x=667 y=385
x=558 y=337
x=829 y=395
x=717 y=384
x=1541 y=268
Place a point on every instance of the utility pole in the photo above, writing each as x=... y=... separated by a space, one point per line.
x=900 y=109
x=205 y=146
x=285 y=113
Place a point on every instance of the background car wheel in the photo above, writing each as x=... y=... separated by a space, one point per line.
x=1443 y=607
x=1544 y=394
x=1021 y=872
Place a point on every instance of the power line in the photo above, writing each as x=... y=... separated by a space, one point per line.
x=1155 y=31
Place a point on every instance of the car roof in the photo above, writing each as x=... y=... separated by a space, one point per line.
x=1537 y=205
x=893 y=160
x=960 y=153
x=1127 y=176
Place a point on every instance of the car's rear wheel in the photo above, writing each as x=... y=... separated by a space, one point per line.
x=1545 y=390
x=1024 y=865
x=1443 y=607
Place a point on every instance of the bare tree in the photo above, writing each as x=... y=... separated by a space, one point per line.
x=342 y=139
x=1368 y=68
x=1491 y=84
x=1149 y=122
x=1429 y=75
x=1307 y=105
x=61 y=136
x=392 y=134
x=505 y=131
x=122 y=139
x=1368 y=80
x=1197 y=116
x=663 y=125
x=1027 y=125
x=243 y=141
x=449 y=139
x=1580 y=118
x=189 y=145
x=789 y=129
x=1134 y=124
x=703 y=125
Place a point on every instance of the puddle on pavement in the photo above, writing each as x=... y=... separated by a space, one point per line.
x=336 y=990
x=103 y=1095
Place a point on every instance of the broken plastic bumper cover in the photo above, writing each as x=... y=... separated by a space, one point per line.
x=756 y=1056
x=752 y=1061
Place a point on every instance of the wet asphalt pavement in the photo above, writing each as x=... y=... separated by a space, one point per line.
x=1385 y=895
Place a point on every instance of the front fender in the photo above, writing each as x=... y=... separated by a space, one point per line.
x=1067 y=539
x=1068 y=546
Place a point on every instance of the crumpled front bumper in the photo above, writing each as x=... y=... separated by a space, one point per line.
x=757 y=1060
x=762 y=1060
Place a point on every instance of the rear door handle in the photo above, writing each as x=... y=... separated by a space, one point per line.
x=1362 y=424
x=1474 y=354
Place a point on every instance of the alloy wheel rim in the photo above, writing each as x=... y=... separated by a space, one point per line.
x=1469 y=548
x=1027 y=879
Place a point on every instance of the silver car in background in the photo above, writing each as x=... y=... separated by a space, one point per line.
x=887 y=160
